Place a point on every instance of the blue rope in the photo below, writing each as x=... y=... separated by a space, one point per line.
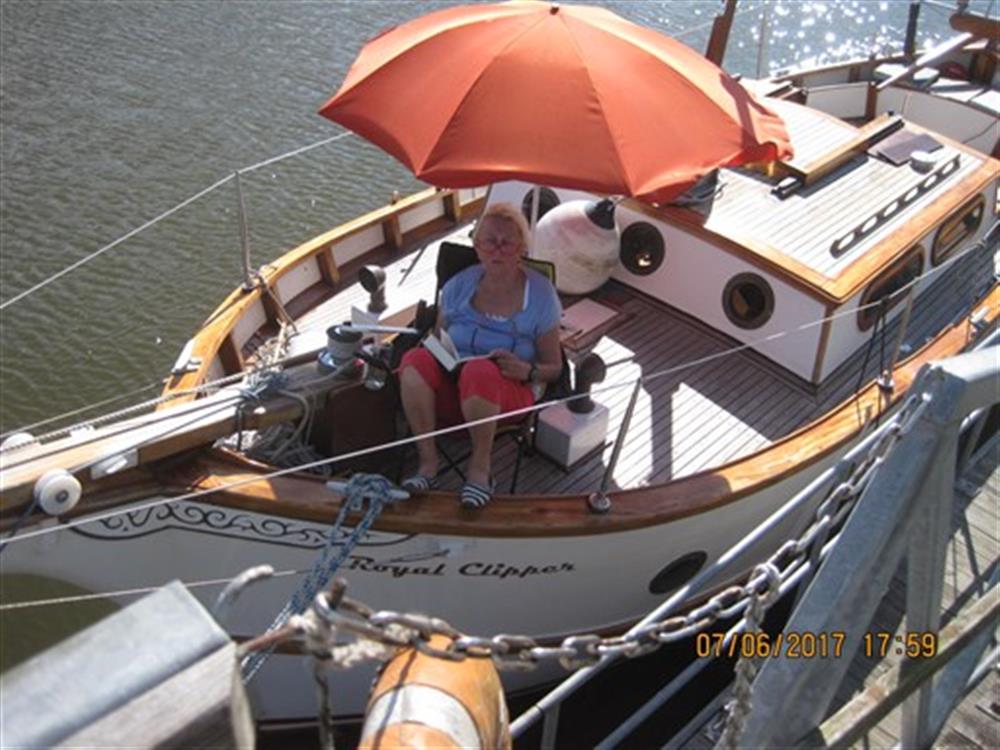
x=372 y=489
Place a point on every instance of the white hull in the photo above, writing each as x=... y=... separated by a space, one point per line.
x=546 y=587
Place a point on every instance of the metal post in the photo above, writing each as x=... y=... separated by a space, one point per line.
x=599 y=500
x=535 y=199
x=904 y=324
x=550 y=727
x=925 y=578
x=765 y=29
x=873 y=541
x=249 y=280
x=910 y=43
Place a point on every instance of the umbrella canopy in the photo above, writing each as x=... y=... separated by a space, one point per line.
x=565 y=95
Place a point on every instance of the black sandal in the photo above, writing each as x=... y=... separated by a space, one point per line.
x=475 y=496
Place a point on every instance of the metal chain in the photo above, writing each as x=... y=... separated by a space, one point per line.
x=521 y=652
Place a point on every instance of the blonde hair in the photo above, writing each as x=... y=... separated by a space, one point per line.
x=505 y=212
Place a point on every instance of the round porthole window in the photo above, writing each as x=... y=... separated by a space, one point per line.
x=547 y=200
x=748 y=300
x=677 y=573
x=642 y=249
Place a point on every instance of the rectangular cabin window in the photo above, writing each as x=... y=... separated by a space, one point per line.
x=957 y=228
x=889 y=285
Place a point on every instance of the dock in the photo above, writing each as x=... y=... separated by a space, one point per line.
x=972 y=560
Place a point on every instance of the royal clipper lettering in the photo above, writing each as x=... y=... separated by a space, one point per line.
x=396 y=570
x=470 y=569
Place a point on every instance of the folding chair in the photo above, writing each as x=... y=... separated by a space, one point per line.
x=454 y=257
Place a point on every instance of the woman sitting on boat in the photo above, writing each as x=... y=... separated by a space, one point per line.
x=507 y=316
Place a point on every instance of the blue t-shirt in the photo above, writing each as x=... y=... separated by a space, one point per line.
x=476 y=333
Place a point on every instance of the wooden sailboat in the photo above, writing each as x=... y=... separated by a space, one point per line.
x=750 y=337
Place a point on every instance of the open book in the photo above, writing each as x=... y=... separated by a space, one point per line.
x=444 y=350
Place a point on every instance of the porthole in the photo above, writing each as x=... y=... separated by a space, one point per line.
x=893 y=280
x=677 y=573
x=547 y=200
x=641 y=250
x=959 y=227
x=748 y=300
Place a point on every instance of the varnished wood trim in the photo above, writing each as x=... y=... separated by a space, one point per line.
x=861 y=69
x=824 y=342
x=453 y=206
x=221 y=322
x=827 y=163
x=393 y=232
x=860 y=273
x=229 y=355
x=542 y=516
x=789 y=270
x=871 y=100
x=328 y=266
x=721 y=26
x=985 y=28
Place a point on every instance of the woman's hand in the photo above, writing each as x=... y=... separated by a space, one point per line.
x=510 y=366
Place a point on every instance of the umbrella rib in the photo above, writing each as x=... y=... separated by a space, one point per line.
x=469 y=89
x=597 y=95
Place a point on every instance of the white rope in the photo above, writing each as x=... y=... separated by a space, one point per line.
x=164 y=215
x=296 y=152
x=237 y=376
x=127 y=592
x=96 y=253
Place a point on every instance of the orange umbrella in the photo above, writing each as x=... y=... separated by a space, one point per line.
x=565 y=95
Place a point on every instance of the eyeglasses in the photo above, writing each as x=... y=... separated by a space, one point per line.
x=503 y=244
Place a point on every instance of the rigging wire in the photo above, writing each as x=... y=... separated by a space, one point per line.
x=460 y=427
x=646 y=378
x=76 y=598
x=229 y=379
x=164 y=215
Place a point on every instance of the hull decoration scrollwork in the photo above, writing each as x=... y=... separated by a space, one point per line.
x=215 y=521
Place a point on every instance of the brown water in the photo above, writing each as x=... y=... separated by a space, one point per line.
x=113 y=112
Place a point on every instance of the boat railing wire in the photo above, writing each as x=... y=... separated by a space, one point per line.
x=220 y=183
x=990 y=238
x=214 y=406
x=169 y=212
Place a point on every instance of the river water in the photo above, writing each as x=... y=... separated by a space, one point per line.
x=114 y=112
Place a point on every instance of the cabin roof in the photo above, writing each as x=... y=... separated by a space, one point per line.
x=808 y=237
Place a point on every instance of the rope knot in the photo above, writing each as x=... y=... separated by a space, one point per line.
x=371 y=488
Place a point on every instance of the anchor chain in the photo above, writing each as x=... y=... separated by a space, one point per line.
x=386 y=631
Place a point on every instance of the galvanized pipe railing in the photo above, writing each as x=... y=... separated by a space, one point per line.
x=547 y=707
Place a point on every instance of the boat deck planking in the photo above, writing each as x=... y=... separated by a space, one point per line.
x=702 y=408
x=806 y=224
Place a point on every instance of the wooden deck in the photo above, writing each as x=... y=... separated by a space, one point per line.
x=699 y=406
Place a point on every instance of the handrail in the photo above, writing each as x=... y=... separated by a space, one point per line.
x=978 y=369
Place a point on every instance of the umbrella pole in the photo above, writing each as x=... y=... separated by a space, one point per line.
x=535 y=191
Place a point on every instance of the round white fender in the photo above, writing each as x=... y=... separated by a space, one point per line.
x=57 y=492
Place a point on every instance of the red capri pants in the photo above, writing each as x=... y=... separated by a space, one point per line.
x=478 y=377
